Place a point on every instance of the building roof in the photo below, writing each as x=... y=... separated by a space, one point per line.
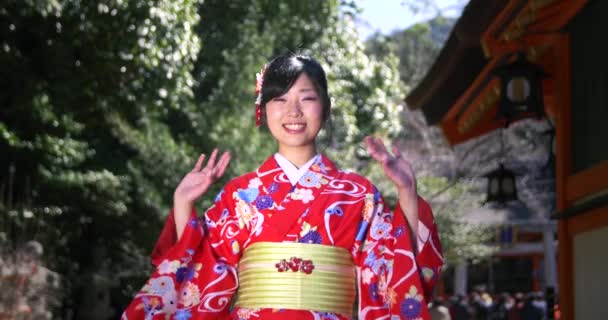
x=459 y=62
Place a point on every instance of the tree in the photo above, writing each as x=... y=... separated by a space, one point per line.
x=416 y=47
x=85 y=100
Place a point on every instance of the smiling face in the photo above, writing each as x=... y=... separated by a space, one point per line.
x=295 y=118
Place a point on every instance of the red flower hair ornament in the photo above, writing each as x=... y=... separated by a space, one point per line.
x=259 y=81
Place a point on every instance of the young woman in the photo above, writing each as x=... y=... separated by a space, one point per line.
x=298 y=238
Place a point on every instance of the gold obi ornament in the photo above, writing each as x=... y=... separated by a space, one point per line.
x=286 y=275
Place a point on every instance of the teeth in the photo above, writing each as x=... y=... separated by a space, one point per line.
x=297 y=126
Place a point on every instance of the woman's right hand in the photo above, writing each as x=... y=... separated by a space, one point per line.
x=197 y=182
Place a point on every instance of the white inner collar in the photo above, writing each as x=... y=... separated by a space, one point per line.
x=292 y=172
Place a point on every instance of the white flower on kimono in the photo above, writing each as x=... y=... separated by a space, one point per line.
x=189 y=294
x=160 y=286
x=302 y=194
x=306 y=227
x=168 y=266
x=367 y=275
x=380 y=230
x=245 y=314
x=312 y=180
x=244 y=212
x=255 y=183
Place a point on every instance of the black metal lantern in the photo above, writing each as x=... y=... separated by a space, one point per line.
x=501 y=186
x=521 y=89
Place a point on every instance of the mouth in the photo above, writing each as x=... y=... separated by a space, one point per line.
x=294 y=127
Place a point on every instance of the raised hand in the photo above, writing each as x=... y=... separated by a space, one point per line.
x=195 y=184
x=198 y=181
x=395 y=167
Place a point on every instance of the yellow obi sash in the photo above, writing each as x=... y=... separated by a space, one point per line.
x=285 y=275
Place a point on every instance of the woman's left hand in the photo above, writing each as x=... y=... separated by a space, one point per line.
x=395 y=167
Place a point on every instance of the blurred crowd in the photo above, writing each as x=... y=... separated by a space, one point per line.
x=483 y=306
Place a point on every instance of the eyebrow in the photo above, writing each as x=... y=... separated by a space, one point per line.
x=307 y=90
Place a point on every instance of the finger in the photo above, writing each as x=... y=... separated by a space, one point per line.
x=372 y=145
x=371 y=148
x=211 y=161
x=199 y=163
x=396 y=151
x=377 y=150
x=381 y=146
x=223 y=163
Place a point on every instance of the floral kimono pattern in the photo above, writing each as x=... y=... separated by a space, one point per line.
x=196 y=277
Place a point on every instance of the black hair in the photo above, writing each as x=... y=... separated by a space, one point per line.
x=283 y=71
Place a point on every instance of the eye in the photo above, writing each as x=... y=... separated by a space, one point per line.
x=279 y=99
x=312 y=98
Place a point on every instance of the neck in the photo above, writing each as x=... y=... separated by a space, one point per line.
x=298 y=155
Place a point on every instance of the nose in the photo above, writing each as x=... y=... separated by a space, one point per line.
x=294 y=108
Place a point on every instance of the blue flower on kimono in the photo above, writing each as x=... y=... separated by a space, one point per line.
x=327 y=315
x=274 y=187
x=335 y=211
x=263 y=202
x=248 y=195
x=410 y=308
x=370 y=259
x=379 y=265
x=373 y=291
x=310 y=180
x=184 y=274
x=398 y=231
x=219 y=268
x=311 y=237
x=380 y=230
x=183 y=314
x=193 y=222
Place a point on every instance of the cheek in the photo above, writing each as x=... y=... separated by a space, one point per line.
x=316 y=112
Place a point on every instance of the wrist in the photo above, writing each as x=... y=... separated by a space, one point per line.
x=182 y=205
x=407 y=193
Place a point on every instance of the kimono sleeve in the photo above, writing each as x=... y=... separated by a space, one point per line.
x=430 y=255
x=195 y=276
x=391 y=275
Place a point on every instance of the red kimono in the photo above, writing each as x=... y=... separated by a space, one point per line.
x=197 y=277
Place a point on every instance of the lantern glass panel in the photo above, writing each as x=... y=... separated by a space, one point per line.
x=518 y=89
x=508 y=185
x=494 y=185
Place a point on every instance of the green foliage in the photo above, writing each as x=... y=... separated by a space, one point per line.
x=417 y=47
x=88 y=90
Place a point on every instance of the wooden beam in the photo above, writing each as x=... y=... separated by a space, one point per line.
x=518 y=21
x=586 y=182
x=490 y=38
x=563 y=170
